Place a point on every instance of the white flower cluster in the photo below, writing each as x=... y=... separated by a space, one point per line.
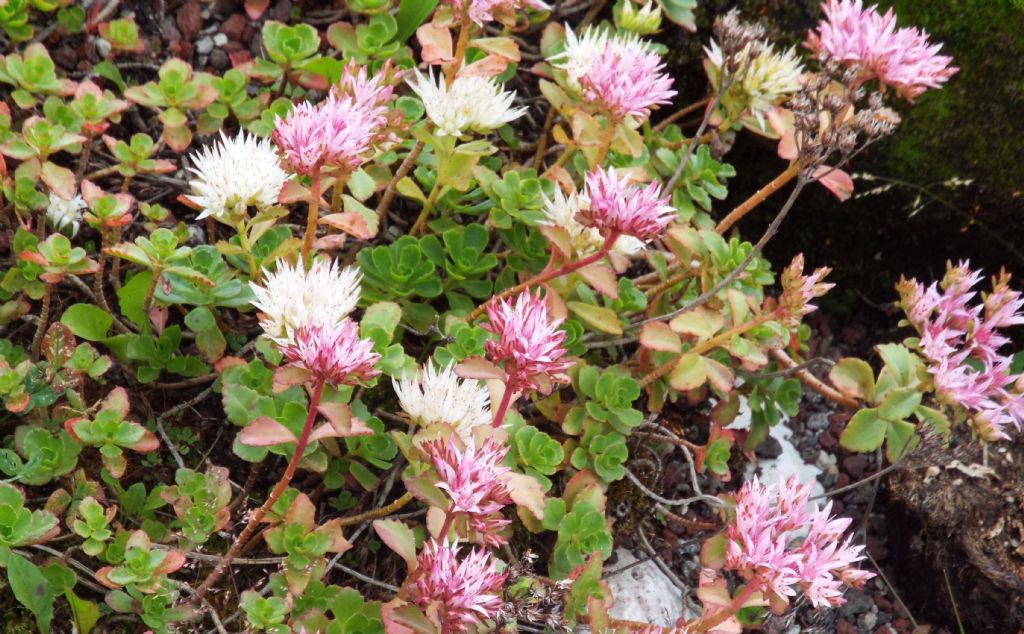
x=470 y=104
x=431 y=397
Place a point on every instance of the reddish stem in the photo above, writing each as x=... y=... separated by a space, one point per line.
x=275 y=494
x=549 y=274
x=506 y=400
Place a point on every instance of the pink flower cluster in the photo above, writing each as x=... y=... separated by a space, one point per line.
x=462 y=593
x=627 y=80
x=333 y=353
x=798 y=290
x=961 y=341
x=483 y=11
x=901 y=58
x=341 y=130
x=529 y=343
x=765 y=548
x=618 y=207
x=473 y=479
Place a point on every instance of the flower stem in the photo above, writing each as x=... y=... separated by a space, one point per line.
x=726 y=614
x=243 y=241
x=260 y=513
x=606 y=140
x=101 y=261
x=376 y=513
x=704 y=346
x=428 y=206
x=548 y=275
x=758 y=197
x=313 y=214
x=506 y=400
x=44 y=317
x=460 y=47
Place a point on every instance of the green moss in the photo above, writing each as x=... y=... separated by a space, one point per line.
x=974 y=126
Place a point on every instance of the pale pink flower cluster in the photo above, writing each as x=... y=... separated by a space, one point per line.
x=799 y=290
x=463 y=593
x=961 y=338
x=619 y=207
x=474 y=479
x=339 y=131
x=901 y=58
x=627 y=80
x=333 y=353
x=529 y=344
x=764 y=545
x=483 y=11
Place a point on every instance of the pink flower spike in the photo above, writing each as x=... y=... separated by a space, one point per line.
x=464 y=593
x=617 y=206
x=529 y=343
x=472 y=477
x=764 y=545
x=333 y=353
x=341 y=130
x=962 y=341
x=799 y=290
x=627 y=80
x=903 y=59
x=484 y=11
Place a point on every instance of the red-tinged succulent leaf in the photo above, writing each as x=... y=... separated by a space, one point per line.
x=712 y=551
x=398 y=538
x=504 y=47
x=658 y=336
x=33 y=257
x=148 y=442
x=114 y=463
x=719 y=375
x=343 y=423
x=602 y=278
x=117 y=401
x=558 y=238
x=489 y=66
x=435 y=43
x=479 y=368
x=17 y=404
x=690 y=372
x=400 y=617
x=255 y=8
x=265 y=432
x=584 y=486
x=331 y=242
x=301 y=512
x=525 y=491
x=836 y=181
x=102 y=577
x=425 y=491
x=59 y=179
x=350 y=222
x=178 y=138
x=69 y=427
x=173 y=560
x=288 y=376
x=332 y=529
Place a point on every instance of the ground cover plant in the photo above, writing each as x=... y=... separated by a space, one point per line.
x=364 y=333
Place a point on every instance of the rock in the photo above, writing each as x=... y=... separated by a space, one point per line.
x=234 y=27
x=219 y=59
x=643 y=593
x=845 y=627
x=770 y=448
x=65 y=57
x=885 y=605
x=842 y=480
x=867 y=621
x=204 y=45
x=281 y=11
x=857 y=602
x=855 y=466
x=837 y=422
x=827 y=441
x=818 y=421
x=189 y=19
x=825 y=460
x=220 y=40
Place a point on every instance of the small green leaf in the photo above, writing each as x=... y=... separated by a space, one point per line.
x=689 y=372
x=901 y=437
x=31 y=589
x=899 y=404
x=411 y=14
x=853 y=377
x=865 y=431
x=600 y=318
x=87 y=321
